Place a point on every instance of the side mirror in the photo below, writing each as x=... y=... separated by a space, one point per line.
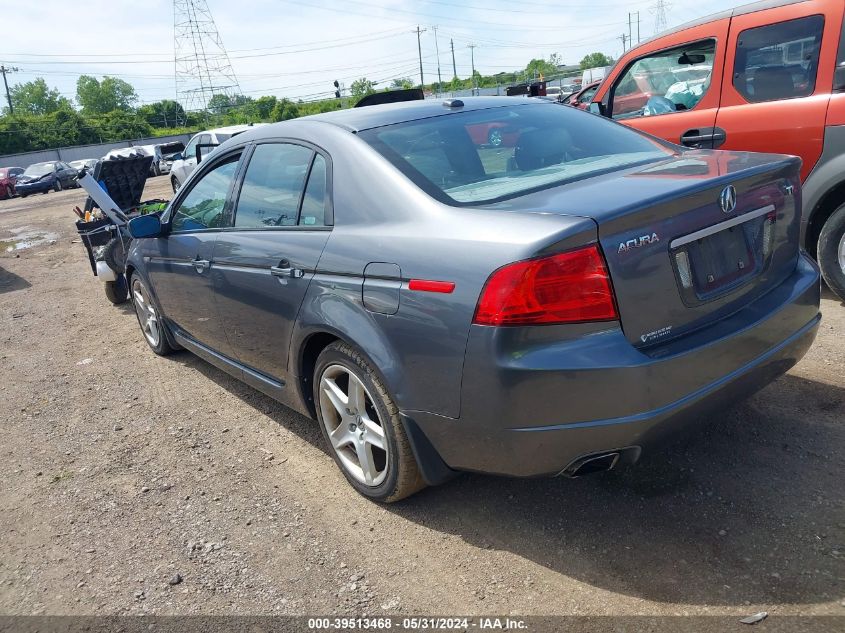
x=145 y=226
x=177 y=156
x=203 y=150
x=596 y=108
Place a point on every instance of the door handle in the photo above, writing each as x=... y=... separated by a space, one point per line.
x=285 y=269
x=201 y=265
x=704 y=138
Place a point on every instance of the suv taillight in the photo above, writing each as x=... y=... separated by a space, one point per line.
x=569 y=287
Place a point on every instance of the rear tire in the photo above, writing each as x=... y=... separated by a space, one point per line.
x=374 y=420
x=117 y=291
x=831 y=252
x=175 y=184
x=152 y=327
x=5 y=192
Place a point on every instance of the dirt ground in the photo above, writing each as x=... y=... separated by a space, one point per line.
x=121 y=469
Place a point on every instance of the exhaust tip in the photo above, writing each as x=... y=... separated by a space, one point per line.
x=593 y=464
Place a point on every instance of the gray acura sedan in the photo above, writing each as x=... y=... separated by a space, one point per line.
x=548 y=305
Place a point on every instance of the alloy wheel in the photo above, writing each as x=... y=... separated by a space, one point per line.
x=495 y=138
x=353 y=425
x=147 y=316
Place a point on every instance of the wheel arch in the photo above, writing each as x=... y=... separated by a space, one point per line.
x=823 y=191
x=431 y=465
x=828 y=202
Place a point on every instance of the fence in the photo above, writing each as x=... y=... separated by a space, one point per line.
x=79 y=152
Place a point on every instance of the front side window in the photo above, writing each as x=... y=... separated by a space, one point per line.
x=488 y=155
x=203 y=206
x=273 y=186
x=588 y=94
x=191 y=149
x=839 y=74
x=667 y=81
x=778 y=61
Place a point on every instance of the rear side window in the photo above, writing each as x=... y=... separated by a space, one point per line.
x=273 y=186
x=488 y=155
x=839 y=75
x=314 y=203
x=778 y=61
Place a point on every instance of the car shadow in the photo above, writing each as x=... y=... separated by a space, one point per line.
x=748 y=509
x=10 y=282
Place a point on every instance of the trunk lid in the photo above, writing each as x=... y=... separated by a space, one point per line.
x=679 y=258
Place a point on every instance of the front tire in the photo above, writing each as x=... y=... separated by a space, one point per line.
x=148 y=318
x=831 y=252
x=58 y=187
x=175 y=184
x=362 y=427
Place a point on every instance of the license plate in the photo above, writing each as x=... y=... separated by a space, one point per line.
x=721 y=259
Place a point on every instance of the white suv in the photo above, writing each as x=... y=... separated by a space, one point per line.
x=182 y=167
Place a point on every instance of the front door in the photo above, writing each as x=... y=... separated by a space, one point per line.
x=264 y=263
x=670 y=87
x=778 y=80
x=180 y=266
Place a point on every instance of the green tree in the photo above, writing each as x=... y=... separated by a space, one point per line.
x=36 y=97
x=402 y=83
x=219 y=104
x=594 y=60
x=119 y=125
x=264 y=106
x=537 y=67
x=163 y=114
x=361 y=88
x=284 y=110
x=101 y=97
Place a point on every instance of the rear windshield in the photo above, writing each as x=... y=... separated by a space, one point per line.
x=488 y=155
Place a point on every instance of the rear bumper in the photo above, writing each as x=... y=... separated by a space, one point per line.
x=534 y=403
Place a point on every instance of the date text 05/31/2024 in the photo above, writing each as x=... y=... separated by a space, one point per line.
x=418 y=623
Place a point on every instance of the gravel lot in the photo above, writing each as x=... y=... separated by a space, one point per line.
x=137 y=484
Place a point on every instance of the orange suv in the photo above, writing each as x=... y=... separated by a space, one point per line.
x=765 y=77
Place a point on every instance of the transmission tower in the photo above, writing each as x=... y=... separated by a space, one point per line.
x=203 y=68
x=659 y=8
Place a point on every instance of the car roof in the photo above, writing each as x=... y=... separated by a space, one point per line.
x=752 y=7
x=359 y=119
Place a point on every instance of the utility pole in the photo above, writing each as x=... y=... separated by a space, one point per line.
x=437 y=49
x=471 y=48
x=624 y=38
x=638 y=27
x=4 y=70
x=454 y=67
x=419 y=50
x=630 y=32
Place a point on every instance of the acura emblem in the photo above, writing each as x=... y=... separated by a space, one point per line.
x=727 y=199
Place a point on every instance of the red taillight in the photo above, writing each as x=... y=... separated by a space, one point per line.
x=566 y=288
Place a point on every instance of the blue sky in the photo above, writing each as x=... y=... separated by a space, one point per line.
x=296 y=48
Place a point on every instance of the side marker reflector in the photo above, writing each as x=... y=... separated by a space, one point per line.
x=425 y=285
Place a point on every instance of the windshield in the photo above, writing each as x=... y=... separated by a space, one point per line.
x=487 y=155
x=39 y=169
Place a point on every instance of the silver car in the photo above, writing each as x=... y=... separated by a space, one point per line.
x=549 y=306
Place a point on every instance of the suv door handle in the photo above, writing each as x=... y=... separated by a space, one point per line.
x=201 y=265
x=284 y=269
x=704 y=138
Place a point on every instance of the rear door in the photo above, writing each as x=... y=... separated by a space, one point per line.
x=778 y=79
x=264 y=263
x=670 y=87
